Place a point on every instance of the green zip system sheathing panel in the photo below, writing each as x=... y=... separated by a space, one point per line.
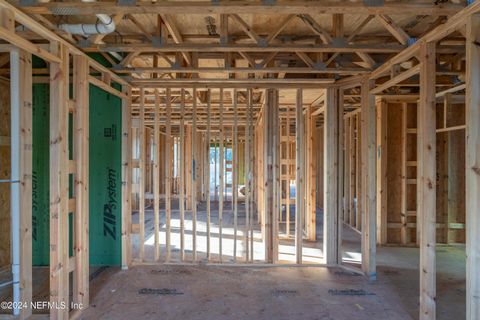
x=40 y=175
x=105 y=180
x=105 y=177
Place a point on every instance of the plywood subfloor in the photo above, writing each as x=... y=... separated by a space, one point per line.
x=218 y=292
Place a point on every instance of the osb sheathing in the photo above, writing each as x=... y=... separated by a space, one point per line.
x=4 y=174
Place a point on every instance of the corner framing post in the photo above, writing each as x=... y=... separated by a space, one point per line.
x=21 y=176
x=300 y=176
x=331 y=210
x=59 y=187
x=81 y=182
x=473 y=167
x=369 y=206
x=426 y=181
x=126 y=178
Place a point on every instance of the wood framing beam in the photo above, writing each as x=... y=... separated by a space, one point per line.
x=99 y=83
x=369 y=156
x=234 y=83
x=367 y=59
x=426 y=181
x=255 y=69
x=18 y=41
x=393 y=28
x=454 y=23
x=280 y=28
x=59 y=186
x=247 y=29
x=305 y=58
x=127 y=137
x=473 y=168
x=238 y=47
x=331 y=154
x=397 y=79
x=129 y=58
x=140 y=27
x=175 y=33
x=81 y=183
x=312 y=24
x=243 y=7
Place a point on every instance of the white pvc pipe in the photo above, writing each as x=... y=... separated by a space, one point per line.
x=15 y=173
x=105 y=25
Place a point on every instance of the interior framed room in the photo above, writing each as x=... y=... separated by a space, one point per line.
x=240 y=159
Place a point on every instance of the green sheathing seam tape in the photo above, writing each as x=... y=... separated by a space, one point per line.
x=105 y=178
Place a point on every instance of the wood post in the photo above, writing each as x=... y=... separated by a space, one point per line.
x=299 y=176
x=340 y=173
x=207 y=170
x=168 y=175
x=81 y=184
x=358 y=176
x=369 y=205
x=141 y=182
x=59 y=186
x=235 y=174
x=426 y=176
x=252 y=172
x=331 y=210
x=194 y=175
x=246 y=178
x=189 y=164
x=347 y=169
x=353 y=173
x=271 y=155
x=156 y=178
x=310 y=174
x=127 y=136
x=182 y=175
x=473 y=167
x=221 y=179
x=381 y=133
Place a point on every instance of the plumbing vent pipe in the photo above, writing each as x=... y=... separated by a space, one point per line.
x=104 y=25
